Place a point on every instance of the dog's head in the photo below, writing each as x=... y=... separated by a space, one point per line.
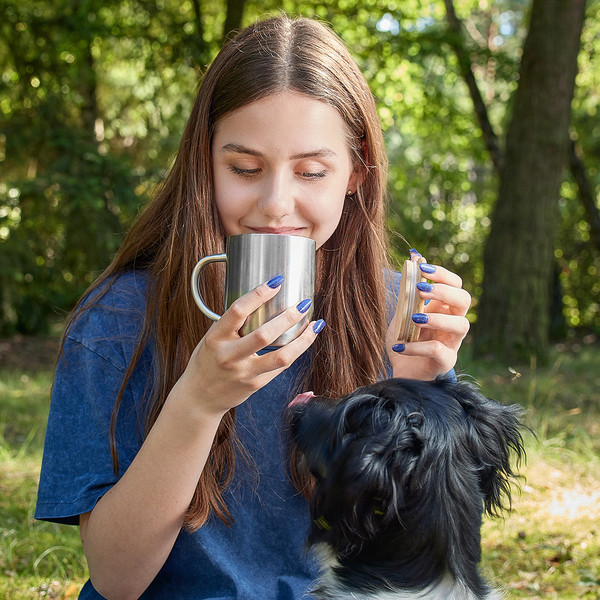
x=405 y=464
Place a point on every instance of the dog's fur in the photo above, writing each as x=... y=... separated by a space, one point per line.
x=404 y=471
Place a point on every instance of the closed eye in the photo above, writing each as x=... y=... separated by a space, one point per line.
x=313 y=175
x=243 y=172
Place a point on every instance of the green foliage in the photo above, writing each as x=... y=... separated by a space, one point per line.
x=94 y=96
x=63 y=199
x=65 y=226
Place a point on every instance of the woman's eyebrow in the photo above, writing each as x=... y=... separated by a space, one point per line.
x=320 y=153
x=239 y=149
x=317 y=153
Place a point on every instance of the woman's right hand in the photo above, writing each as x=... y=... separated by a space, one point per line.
x=225 y=368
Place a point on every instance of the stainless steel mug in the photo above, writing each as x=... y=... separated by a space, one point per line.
x=252 y=259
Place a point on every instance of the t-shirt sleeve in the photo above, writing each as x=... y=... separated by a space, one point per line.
x=77 y=467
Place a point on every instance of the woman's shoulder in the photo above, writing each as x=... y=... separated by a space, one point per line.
x=110 y=318
x=392 y=279
x=392 y=284
x=126 y=291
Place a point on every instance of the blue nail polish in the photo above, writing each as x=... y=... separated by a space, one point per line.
x=275 y=282
x=318 y=326
x=304 y=305
x=427 y=268
x=420 y=318
x=423 y=286
x=413 y=251
x=398 y=348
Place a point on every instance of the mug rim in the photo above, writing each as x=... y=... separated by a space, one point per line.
x=274 y=235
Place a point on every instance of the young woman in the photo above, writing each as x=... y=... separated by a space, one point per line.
x=164 y=441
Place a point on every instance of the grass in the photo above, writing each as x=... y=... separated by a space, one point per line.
x=548 y=547
x=37 y=560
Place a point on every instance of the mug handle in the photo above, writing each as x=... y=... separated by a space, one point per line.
x=194 y=282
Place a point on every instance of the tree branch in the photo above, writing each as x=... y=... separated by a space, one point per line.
x=489 y=135
x=586 y=194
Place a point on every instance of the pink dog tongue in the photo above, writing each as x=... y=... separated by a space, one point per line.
x=301 y=398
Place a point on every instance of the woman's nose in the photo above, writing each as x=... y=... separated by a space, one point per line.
x=277 y=198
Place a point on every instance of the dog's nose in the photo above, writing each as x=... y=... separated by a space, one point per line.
x=301 y=398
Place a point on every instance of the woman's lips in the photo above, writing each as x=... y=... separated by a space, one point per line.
x=278 y=230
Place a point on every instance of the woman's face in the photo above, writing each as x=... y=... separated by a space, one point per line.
x=282 y=165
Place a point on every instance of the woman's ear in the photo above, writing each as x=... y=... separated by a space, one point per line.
x=360 y=169
x=356 y=178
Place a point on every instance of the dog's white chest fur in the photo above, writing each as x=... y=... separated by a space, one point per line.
x=329 y=588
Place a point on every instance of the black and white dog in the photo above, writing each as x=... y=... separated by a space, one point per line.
x=404 y=471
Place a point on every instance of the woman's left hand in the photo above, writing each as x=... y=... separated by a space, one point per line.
x=443 y=326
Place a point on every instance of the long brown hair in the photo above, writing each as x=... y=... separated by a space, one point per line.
x=180 y=225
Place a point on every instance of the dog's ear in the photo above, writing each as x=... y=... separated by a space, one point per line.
x=371 y=473
x=494 y=435
x=310 y=427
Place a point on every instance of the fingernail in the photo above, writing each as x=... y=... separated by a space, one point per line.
x=413 y=251
x=423 y=286
x=427 y=268
x=318 y=326
x=275 y=282
x=398 y=348
x=420 y=318
x=304 y=305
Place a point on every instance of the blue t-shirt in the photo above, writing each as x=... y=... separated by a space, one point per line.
x=261 y=555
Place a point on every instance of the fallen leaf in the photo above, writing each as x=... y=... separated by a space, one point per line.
x=71 y=591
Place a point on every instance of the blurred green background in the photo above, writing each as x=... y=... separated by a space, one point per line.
x=94 y=96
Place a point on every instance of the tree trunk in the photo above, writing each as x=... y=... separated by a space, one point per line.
x=518 y=260
x=233 y=18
